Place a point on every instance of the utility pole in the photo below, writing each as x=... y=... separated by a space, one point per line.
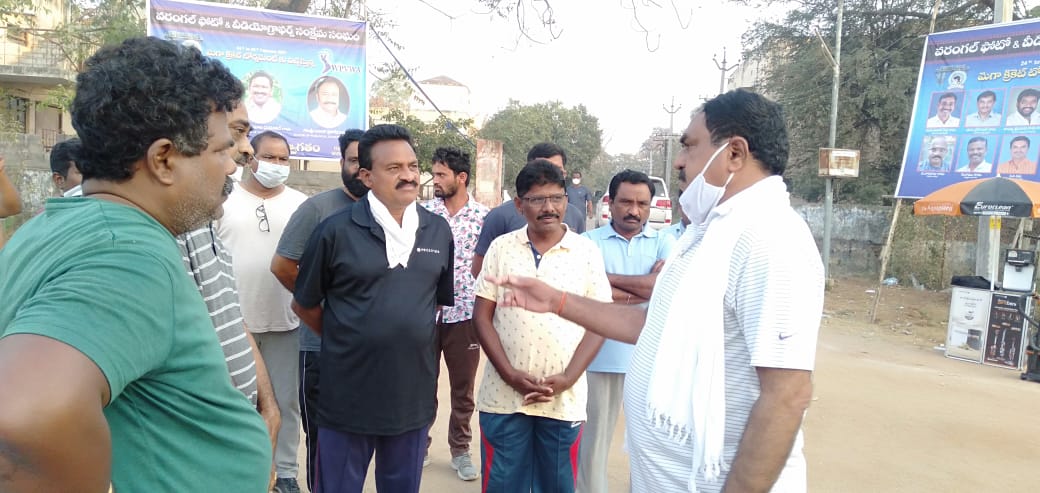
x=723 y=68
x=671 y=110
x=985 y=257
x=828 y=201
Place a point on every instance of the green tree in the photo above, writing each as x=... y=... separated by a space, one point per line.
x=392 y=89
x=427 y=137
x=521 y=126
x=880 y=61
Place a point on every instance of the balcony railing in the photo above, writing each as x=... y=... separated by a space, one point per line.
x=38 y=53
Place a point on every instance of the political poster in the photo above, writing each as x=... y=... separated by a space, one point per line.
x=304 y=75
x=975 y=111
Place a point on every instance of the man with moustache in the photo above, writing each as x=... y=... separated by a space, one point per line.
x=938 y=148
x=944 y=113
x=285 y=266
x=633 y=255
x=209 y=264
x=506 y=217
x=327 y=113
x=370 y=280
x=261 y=105
x=255 y=215
x=456 y=334
x=677 y=229
x=1026 y=105
x=1019 y=164
x=533 y=394
x=109 y=364
x=721 y=375
x=976 y=157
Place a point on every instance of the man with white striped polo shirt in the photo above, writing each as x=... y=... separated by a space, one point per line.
x=209 y=264
x=721 y=374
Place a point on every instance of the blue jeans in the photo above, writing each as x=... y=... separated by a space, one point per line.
x=521 y=453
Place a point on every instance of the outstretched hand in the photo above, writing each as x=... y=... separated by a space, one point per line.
x=527 y=293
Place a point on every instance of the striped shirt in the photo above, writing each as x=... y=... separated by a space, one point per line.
x=209 y=265
x=772 y=306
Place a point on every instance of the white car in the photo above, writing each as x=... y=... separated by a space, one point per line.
x=660 y=207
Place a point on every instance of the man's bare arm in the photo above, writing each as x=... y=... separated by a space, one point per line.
x=478 y=263
x=771 y=429
x=285 y=270
x=10 y=203
x=310 y=316
x=583 y=356
x=625 y=298
x=265 y=400
x=53 y=432
x=483 y=316
x=641 y=285
x=619 y=322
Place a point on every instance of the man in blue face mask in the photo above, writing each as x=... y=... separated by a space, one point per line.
x=720 y=377
x=255 y=215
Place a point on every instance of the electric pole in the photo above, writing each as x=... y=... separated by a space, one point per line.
x=671 y=110
x=723 y=68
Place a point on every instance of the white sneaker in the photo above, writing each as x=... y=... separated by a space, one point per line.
x=426 y=460
x=464 y=465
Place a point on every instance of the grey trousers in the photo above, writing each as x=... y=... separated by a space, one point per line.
x=606 y=393
x=281 y=353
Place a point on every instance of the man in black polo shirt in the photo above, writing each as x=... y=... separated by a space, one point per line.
x=381 y=266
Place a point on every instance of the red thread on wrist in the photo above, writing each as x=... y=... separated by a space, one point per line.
x=563 y=299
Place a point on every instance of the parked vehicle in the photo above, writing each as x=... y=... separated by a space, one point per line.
x=660 y=207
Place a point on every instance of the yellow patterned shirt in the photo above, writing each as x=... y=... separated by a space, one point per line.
x=540 y=344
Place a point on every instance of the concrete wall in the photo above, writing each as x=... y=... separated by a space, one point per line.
x=928 y=250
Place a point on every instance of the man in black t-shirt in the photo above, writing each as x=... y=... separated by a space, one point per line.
x=285 y=266
x=370 y=280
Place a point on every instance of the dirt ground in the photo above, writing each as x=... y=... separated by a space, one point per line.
x=890 y=413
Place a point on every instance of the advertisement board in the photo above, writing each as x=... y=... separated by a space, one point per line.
x=304 y=75
x=974 y=115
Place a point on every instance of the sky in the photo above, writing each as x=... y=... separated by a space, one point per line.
x=600 y=58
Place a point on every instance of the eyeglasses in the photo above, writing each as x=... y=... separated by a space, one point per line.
x=540 y=201
x=261 y=214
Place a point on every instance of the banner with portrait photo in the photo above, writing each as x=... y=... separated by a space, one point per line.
x=304 y=75
x=975 y=114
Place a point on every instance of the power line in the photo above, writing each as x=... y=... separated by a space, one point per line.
x=420 y=89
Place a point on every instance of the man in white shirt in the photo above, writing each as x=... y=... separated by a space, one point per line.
x=327 y=113
x=944 y=113
x=1026 y=105
x=722 y=371
x=261 y=105
x=255 y=215
x=984 y=116
x=977 y=148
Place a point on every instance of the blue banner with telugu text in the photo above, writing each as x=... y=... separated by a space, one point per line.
x=975 y=114
x=304 y=75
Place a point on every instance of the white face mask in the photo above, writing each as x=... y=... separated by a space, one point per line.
x=237 y=175
x=271 y=175
x=576 y=181
x=700 y=196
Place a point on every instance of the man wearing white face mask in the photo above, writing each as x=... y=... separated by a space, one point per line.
x=255 y=215
x=721 y=374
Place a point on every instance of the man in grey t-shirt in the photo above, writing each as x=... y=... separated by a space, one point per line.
x=285 y=265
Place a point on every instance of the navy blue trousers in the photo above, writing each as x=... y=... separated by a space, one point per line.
x=343 y=460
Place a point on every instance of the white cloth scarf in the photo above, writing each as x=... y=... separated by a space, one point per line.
x=687 y=395
x=400 y=238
